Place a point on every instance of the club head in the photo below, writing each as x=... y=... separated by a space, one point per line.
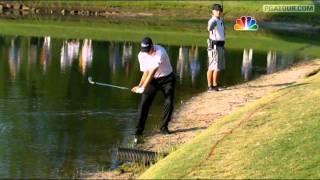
x=90 y=80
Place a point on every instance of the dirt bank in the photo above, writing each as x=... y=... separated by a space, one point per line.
x=206 y=108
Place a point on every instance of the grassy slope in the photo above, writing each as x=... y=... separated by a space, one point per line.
x=275 y=137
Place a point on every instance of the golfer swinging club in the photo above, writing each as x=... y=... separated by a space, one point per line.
x=157 y=75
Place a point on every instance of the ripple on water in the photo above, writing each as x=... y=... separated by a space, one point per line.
x=111 y=113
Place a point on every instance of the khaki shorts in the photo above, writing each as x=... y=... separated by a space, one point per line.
x=216 y=59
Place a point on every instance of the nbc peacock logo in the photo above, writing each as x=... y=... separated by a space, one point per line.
x=246 y=23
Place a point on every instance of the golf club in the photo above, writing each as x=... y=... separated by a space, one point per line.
x=104 y=84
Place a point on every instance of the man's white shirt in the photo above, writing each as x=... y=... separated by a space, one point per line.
x=217 y=34
x=159 y=59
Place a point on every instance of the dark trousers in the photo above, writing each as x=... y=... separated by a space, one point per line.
x=166 y=85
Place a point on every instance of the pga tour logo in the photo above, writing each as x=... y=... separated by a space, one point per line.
x=285 y=8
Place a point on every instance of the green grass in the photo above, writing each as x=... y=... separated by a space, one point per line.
x=189 y=9
x=275 y=137
x=161 y=34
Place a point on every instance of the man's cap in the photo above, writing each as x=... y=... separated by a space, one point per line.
x=217 y=7
x=146 y=44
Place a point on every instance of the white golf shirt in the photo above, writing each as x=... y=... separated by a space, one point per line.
x=217 y=33
x=159 y=59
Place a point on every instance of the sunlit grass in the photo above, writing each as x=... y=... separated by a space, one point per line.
x=276 y=137
x=192 y=9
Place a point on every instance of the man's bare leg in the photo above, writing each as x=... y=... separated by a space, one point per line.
x=215 y=78
x=210 y=77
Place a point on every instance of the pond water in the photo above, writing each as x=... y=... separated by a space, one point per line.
x=53 y=123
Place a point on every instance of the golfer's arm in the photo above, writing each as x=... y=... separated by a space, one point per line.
x=149 y=77
x=143 y=78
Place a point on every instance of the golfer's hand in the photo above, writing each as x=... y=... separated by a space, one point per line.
x=134 y=89
x=137 y=89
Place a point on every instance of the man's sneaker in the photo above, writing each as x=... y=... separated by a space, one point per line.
x=218 y=88
x=165 y=131
x=211 y=89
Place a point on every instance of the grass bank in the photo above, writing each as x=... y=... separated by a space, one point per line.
x=192 y=36
x=191 y=10
x=275 y=137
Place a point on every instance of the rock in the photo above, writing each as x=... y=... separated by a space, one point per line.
x=25 y=8
x=74 y=12
x=8 y=6
x=16 y=6
x=115 y=12
x=103 y=13
x=63 y=12
x=84 y=13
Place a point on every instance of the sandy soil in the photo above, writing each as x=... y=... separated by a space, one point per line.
x=204 y=109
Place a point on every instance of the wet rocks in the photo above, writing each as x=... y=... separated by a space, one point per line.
x=20 y=8
x=24 y=8
x=13 y=7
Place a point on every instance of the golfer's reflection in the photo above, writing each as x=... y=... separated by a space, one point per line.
x=32 y=52
x=114 y=56
x=271 y=62
x=45 y=56
x=69 y=52
x=246 y=68
x=183 y=62
x=14 y=57
x=86 y=55
x=127 y=56
x=194 y=63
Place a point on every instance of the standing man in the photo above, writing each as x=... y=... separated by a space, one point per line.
x=157 y=75
x=215 y=48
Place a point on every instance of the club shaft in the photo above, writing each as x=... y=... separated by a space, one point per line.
x=110 y=85
x=105 y=84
